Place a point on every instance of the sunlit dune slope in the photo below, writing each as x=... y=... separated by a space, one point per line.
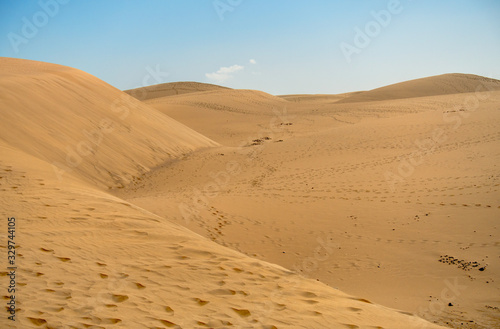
x=235 y=113
x=87 y=259
x=318 y=98
x=399 y=186
x=84 y=126
x=171 y=89
x=228 y=100
x=452 y=83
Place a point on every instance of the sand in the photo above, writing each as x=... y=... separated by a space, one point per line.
x=394 y=184
x=227 y=208
x=170 y=89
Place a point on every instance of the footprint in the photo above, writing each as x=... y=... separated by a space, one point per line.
x=310 y=301
x=37 y=321
x=354 y=309
x=242 y=312
x=308 y=294
x=64 y=259
x=119 y=298
x=222 y=292
x=167 y=323
x=201 y=302
x=362 y=300
x=140 y=286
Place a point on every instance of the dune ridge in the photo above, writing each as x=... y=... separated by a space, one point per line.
x=451 y=83
x=318 y=98
x=83 y=125
x=171 y=89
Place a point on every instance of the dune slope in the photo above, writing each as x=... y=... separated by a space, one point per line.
x=171 y=89
x=237 y=113
x=444 y=84
x=84 y=126
x=87 y=259
x=406 y=190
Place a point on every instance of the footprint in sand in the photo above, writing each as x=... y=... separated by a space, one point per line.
x=168 y=323
x=119 y=298
x=37 y=321
x=64 y=259
x=242 y=312
x=140 y=286
x=351 y=326
x=201 y=302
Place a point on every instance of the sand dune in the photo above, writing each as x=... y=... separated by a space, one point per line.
x=319 y=98
x=89 y=259
x=226 y=108
x=85 y=126
x=229 y=100
x=406 y=190
x=453 y=83
x=171 y=89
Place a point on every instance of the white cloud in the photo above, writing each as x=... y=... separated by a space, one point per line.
x=253 y=61
x=224 y=73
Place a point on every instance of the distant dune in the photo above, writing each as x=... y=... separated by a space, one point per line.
x=171 y=89
x=453 y=83
x=222 y=110
x=230 y=100
x=83 y=125
x=318 y=98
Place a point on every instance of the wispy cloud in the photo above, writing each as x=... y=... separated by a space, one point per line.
x=253 y=61
x=224 y=73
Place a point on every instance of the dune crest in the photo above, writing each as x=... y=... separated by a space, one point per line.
x=84 y=126
x=171 y=89
x=445 y=84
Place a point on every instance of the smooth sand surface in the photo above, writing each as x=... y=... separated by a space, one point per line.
x=445 y=84
x=84 y=126
x=170 y=89
x=162 y=226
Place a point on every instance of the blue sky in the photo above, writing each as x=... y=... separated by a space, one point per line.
x=279 y=46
